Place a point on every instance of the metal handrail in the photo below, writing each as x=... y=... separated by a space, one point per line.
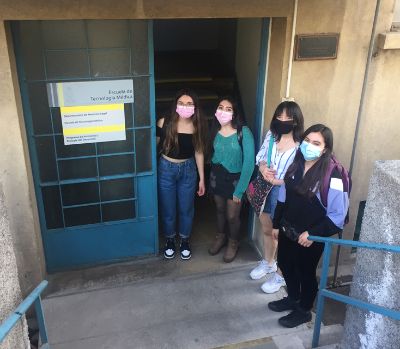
x=33 y=298
x=324 y=293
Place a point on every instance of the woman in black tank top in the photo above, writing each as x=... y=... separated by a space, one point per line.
x=180 y=170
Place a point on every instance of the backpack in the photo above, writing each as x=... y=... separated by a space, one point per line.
x=344 y=174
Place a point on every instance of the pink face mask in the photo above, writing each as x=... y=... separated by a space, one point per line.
x=223 y=117
x=185 y=111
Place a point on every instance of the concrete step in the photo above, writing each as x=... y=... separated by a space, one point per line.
x=330 y=335
x=205 y=310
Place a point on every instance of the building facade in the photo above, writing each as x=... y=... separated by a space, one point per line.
x=44 y=42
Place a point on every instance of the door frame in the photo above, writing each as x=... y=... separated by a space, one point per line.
x=260 y=106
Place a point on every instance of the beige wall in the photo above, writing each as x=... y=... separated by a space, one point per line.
x=14 y=176
x=248 y=39
x=379 y=125
x=88 y=9
x=329 y=91
x=396 y=17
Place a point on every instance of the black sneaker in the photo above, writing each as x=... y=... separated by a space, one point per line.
x=282 y=305
x=169 y=249
x=295 y=318
x=186 y=253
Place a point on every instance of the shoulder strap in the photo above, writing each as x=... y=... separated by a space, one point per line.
x=240 y=137
x=334 y=163
x=270 y=146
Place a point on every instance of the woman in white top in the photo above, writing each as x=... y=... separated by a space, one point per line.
x=286 y=127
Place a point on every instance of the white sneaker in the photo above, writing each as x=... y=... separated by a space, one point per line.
x=262 y=269
x=273 y=284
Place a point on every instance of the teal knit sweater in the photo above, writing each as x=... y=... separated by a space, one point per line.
x=228 y=153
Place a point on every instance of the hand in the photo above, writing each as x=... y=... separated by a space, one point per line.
x=268 y=173
x=275 y=234
x=202 y=188
x=236 y=199
x=303 y=239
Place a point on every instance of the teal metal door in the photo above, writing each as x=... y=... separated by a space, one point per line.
x=97 y=201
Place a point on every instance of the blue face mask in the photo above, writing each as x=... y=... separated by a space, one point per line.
x=310 y=151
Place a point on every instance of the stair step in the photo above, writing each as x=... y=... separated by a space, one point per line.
x=330 y=335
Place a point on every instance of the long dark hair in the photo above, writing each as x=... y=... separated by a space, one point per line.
x=237 y=122
x=313 y=179
x=237 y=118
x=171 y=124
x=292 y=110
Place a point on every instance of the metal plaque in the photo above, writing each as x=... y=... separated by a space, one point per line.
x=316 y=46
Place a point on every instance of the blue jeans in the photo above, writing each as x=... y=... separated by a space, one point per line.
x=177 y=183
x=271 y=201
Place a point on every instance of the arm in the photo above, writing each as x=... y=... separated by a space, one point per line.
x=199 y=157
x=247 y=165
x=336 y=210
x=159 y=126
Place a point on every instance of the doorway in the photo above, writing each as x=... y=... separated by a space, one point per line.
x=214 y=58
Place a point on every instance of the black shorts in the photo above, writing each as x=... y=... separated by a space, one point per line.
x=222 y=182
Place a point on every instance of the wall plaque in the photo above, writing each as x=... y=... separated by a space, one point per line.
x=316 y=46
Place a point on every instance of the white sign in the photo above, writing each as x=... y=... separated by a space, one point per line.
x=93 y=123
x=69 y=94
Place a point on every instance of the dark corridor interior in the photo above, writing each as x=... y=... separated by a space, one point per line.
x=200 y=55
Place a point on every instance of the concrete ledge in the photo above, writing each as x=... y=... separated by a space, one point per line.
x=389 y=41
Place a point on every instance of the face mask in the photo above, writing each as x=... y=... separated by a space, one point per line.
x=223 y=116
x=282 y=127
x=185 y=111
x=310 y=151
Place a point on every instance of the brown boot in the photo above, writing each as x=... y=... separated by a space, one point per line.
x=219 y=242
x=231 y=250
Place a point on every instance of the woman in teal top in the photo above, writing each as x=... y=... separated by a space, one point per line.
x=232 y=165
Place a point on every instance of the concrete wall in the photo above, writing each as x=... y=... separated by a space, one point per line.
x=15 y=173
x=396 y=17
x=10 y=291
x=247 y=58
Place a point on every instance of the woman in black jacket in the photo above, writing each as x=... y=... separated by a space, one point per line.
x=299 y=214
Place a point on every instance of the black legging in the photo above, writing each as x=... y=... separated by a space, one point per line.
x=299 y=265
x=228 y=211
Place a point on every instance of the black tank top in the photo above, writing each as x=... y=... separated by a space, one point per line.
x=185 y=143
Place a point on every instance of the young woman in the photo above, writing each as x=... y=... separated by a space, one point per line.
x=180 y=135
x=232 y=165
x=299 y=214
x=286 y=128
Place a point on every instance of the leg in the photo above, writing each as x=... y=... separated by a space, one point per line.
x=220 y=238
x=233 y=218
x=270 y=244
x=287 y=259
x=308 y=263
x=220 y=204
x=186 y=188
x=167 y=191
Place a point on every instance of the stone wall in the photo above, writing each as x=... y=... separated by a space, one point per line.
x=377 y=275
x=10 y=291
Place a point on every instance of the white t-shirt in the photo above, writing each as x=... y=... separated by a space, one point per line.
x=280 y=161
